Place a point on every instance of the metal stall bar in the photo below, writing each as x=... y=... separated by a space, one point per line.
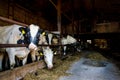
x=12 y=45
x=22 y=45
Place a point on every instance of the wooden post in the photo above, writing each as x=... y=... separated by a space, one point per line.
x=59 y=22
x=59 y=15
x=72 y=24
x=58 y=8
x=59 y=12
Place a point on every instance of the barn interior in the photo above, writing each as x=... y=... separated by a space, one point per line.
x=94 y=20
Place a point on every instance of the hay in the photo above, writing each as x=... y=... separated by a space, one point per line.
x=61 y=66
x=95 y=56
x=59 y=69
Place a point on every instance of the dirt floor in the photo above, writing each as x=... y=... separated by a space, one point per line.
x=61 y=67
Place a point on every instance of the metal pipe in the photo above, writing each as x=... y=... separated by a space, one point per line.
x=12 y=45
x=22 y=45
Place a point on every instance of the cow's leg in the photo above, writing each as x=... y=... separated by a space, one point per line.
x=33 y=55
x=24 y=61
x=11 y=55
x=1 y=59
x=64 y=50
x=6 y=60
x=38 y=58
x=18 y=61
x=12 y=61
x=64 y=53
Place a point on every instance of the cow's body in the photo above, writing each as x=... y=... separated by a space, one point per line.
x=67 y=41
x=15 y=34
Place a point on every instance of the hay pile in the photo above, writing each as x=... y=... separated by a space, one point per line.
x=94 y=58
x=59 y=69
x=93 y=55
x=61 y=66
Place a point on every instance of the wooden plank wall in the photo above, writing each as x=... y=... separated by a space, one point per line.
x=111 y=27
x=3 y=11
x=15 y=12
x=107 y=27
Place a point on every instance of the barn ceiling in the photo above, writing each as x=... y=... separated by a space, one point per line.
x=108 y=10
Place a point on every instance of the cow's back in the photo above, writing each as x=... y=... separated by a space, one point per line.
x=6 y=32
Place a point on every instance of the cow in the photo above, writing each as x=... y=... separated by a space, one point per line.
x=53 y=39
x=67 y=40
x=16 y=34
x=47 y=52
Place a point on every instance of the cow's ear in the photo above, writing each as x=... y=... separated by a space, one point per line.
x=46 y=33
x=42 y=32
x=24 y=30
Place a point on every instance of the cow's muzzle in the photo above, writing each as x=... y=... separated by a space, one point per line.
x=32 y=46
x=50 y=66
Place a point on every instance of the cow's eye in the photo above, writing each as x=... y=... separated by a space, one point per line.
x=38 y=34
x=20 y=34
x=44 y=56
x=28 y=34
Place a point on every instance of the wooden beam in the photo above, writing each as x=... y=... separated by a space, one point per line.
x=70 y=19
x=19 y=73
x=59 y=15
x=53 y=4
x=61 y=10
x=58 y=8
x=12 y=21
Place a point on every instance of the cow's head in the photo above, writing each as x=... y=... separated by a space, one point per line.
x=48 y=57
x=31 y=34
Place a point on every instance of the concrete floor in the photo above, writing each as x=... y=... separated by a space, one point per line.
x=80 y=71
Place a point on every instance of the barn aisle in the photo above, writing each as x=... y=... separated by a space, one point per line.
x=92 y=69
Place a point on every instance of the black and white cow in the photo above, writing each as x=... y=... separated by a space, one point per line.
x=46 y=50
x=43 y=52
x=53 y=39
x=67 y=40
x=16 y=34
